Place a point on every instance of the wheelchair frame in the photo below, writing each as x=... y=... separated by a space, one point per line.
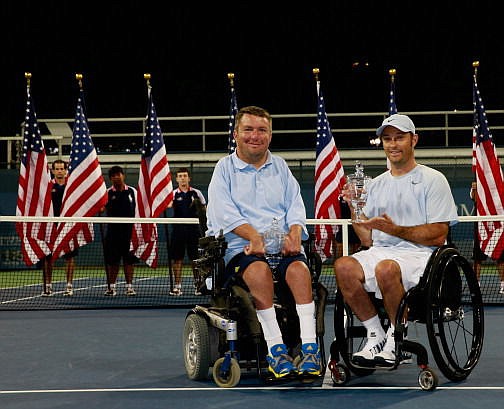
x=226 y=335
x=447 y=300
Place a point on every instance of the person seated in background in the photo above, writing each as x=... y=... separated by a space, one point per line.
x=407 y=215
x=248 y=189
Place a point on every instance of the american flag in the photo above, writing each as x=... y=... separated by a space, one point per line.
x=34 y=190
x=233 y=110
x=489 y=181
x=85 y=191
x=329 y=180
x=155 y=188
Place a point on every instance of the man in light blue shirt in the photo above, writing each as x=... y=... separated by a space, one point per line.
x=250 y=190
x=407 y=215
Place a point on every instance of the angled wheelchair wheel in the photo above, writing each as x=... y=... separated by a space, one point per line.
x=454 y=320
x=196 y=349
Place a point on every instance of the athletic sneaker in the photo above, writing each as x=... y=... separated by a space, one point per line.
x=501 y=291
x=176 y=291
x=387 y=357
x=197 y=292
x=69 y=291
x=130 y=291
x=48 y=292
x=310 y=360
x=374 y=345
x=280 y=363
x=111 y=292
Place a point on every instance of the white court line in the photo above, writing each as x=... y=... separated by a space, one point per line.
x=251 y=388
x=76 y=289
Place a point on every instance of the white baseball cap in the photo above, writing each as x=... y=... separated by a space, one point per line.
x=401 y=122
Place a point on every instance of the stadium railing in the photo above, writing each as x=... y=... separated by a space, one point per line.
x=21 y=285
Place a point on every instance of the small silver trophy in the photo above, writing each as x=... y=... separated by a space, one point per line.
x=357 y=184
x=273 y=243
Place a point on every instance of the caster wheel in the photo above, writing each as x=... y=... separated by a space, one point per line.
x=340 y=374
x=428 y=379
x=229 y=379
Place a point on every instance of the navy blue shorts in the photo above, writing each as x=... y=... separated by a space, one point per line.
x=240 y=262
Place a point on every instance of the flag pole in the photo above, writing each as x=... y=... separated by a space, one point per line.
x=231 y=79
x=392 y=72
x=316 y=73
x=475 y=65
x=474 y=192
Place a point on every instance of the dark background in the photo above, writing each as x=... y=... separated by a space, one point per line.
x=189 y=49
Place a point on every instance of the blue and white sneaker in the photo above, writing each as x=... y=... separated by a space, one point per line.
x=280 y=363
x=310 y=360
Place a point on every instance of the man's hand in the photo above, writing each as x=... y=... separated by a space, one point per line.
x=255 y=246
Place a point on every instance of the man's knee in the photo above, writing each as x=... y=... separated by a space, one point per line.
x=345 y=267
x=387 y=271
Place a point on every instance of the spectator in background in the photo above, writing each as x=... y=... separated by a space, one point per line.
x=188 y=202
x=59 y=170
x=478 y=255
x=121 y=203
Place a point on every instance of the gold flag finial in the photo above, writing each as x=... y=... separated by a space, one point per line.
x=28 y=76
x=79 y=77
x=316 y=73
x=147 y=78
x=475 y=65
x=231 y=78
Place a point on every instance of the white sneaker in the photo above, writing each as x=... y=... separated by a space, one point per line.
x=177 y=291
x=501 y=291
x=387 y=356
x=374 y=345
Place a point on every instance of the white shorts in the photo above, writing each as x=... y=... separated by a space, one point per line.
x=411 y=262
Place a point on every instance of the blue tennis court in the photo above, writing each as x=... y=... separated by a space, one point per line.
x=132 y=358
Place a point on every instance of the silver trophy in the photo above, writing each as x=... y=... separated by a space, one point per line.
x=273 y=243
x=357 y=186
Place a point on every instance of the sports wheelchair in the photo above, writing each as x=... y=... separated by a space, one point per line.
x=447 y=300
x=226 y=334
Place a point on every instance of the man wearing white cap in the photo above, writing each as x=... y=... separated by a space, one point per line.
x=408 y=213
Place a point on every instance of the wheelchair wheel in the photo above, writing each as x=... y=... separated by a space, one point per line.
x=454 y=315
x=196 y=347
x=350 y=336
x=229 y=379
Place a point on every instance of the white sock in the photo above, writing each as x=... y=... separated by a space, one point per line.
x=270 y=328
x=390 y=337
x=373 y=327
x=307 y=322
